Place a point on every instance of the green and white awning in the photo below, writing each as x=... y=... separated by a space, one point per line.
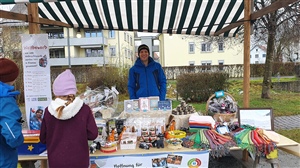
x=199 y=17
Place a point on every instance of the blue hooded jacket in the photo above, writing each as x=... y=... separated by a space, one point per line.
x=10 y=126
x=145 y=81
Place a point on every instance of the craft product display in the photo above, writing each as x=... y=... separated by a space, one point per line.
x=181 y=115
x=175 y=134
x=183 y=108
x=102 y=100
x=174 y=143
x=145 y=126
x=222 y=108
x=256 y=140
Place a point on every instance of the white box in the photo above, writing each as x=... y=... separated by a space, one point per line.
x=128 y=140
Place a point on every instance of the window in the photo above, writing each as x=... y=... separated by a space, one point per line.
x=256 y=55
x=93 y=33
x=131 y=40
x=94 y=52
x=112 y=50
x=57 y=53
x=256 y=50
x=256 y=62
x=127 y=39
x=264 y=55
x=192 y=63
x=221 y=46
x=111 y=34
x=191 y=48
x=205 y=47
x=221 y=65
x=206 y=65
x=125 y=36
x=55 y=35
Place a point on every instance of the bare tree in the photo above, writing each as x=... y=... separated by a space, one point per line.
x=11 y=43
x=279 y=30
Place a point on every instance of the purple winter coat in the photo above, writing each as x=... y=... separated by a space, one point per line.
x=67 y=137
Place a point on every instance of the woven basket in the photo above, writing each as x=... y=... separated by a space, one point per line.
x=220 y=116
x=224 y=117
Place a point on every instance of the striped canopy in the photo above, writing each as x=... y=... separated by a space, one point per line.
x=197 y=17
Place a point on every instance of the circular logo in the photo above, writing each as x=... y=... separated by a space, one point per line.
x=194 y=163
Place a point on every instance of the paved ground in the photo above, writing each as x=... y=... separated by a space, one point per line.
x=287 y=122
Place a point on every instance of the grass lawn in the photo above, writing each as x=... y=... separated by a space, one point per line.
x=293 y=134
x=283 y=103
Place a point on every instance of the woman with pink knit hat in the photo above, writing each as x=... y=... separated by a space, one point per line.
x=67 y=125
x=11 y=135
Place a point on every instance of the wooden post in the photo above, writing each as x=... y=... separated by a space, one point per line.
x=33 y=18
x=246 y=83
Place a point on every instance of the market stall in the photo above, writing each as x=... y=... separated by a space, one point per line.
x=285 y=143
x=149 y=132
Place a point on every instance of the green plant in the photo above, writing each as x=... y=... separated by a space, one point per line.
x=111 y=76
x=197 y=87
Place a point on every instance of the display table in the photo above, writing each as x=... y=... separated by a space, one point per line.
x=284 y=144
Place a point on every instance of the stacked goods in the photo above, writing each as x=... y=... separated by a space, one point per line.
x=222 y=108
x=183 y=109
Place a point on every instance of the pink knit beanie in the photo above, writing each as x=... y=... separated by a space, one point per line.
x=65 y=84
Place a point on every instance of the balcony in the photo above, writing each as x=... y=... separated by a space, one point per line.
x=77 y=61
x=82 y=42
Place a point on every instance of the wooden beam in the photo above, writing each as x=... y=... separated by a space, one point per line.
x=13 y=16
x=246 y=77
x=271 y=8
x=23 y=17
x=33 y=18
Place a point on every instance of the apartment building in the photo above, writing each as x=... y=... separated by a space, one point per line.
x=72 y=46
x=188 y=50
x=90 y=47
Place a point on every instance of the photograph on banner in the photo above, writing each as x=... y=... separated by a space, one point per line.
x=159 y=162
x=36 y=73
x=174 y=159
x=36 y=117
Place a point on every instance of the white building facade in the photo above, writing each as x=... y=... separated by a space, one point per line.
x=183 y=50
x=258 y=54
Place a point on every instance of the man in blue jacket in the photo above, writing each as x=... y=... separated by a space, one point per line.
x=10 y=115
x=146 y=77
